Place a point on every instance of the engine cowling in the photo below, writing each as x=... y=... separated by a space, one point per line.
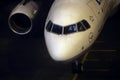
x=21 y=18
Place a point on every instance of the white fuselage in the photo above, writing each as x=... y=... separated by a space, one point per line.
x=72 y=39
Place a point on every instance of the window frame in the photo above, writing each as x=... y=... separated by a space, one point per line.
x=47 y=28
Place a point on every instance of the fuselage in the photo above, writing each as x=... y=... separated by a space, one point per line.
x=72 y=26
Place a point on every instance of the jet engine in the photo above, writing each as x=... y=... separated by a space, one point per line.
x=21 y=18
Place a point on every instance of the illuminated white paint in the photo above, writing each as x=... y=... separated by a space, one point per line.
x=67 y=12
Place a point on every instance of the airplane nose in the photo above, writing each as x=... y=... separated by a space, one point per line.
x=62 y=47
x=62 y=50
x=59 y=53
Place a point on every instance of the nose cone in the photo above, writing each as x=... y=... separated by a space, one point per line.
x=62 y=48
x=59 y=51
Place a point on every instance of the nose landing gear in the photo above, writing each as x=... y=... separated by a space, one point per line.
x=77 y=67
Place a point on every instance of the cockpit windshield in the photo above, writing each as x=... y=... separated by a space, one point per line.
x=70 y=29
x=64 y=30
x=85 y=24
x=49 y=26
x=80 y=27
x=57 y=29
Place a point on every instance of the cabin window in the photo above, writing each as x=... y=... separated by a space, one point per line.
x=49 y=26
x=70 y=29
x=57 y=29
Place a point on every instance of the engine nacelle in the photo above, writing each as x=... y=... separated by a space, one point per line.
x=21 y=18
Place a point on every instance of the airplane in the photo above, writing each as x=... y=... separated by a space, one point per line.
x=72 y=26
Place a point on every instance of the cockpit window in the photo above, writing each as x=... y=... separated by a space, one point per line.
x=70 y=29
x=57 y=29
x=78 y=27
x=49 y=26
x=85 y=23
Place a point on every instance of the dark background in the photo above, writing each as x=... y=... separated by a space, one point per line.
x=26 y=57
